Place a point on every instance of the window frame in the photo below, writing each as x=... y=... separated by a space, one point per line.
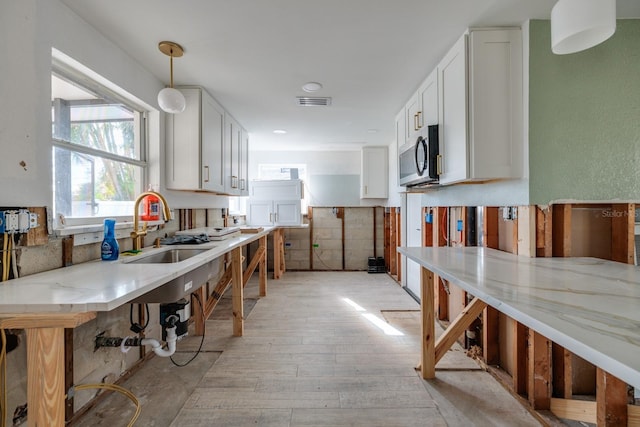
x=73 y=75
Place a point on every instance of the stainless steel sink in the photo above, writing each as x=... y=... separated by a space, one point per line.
x=183 y=285
x=168 y=256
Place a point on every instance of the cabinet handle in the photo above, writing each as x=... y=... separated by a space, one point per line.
x=420 y=120
x=206 y=168
x=415 y=121
x=439 y=168
x=234 y=181
x=271 y=217
x=242 y=184
x=366 y=190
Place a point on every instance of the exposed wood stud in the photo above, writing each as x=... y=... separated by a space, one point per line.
x=561 y=217
x=520 y=357
x=427 y=362
x=467 y=316
x=611 y=400
x=622 y=232
x=539 y=372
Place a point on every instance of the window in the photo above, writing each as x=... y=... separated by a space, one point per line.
x=99 y=141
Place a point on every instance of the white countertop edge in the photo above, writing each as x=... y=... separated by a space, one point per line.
x=13 y=300
x=615 y=367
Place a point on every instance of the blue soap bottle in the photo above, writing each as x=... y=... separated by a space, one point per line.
x=109 y=249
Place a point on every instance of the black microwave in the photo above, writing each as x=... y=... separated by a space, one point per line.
x=418 y=164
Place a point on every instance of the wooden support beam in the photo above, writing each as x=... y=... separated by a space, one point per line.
x=217 y=293
x=520 y=357
x=45 y=376
x=398 y=243
x=393 y=258
x=68 y=372
x=611 y=400
x=622 y=232
x=387 y=239
x=251 y=267
x=262 y=267
x=577 y=410
x=539 y=372
x=199 y=314
x=442 y=298
x=562 y=372
x=466 y=317
x=585 y=411
x=490 y=316
x=544 y=237
x=46 y=361
x=278 y=253
x=427 y=362
x=561 y=220
x=490 y=336
x=67 y=251
x=526 y=237
x=490 y=227
x=37 y=235
x=237 y=295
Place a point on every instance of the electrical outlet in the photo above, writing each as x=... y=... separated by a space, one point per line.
x=11 y=221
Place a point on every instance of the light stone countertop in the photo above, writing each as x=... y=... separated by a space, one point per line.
x=587 y=305
x=105 y=285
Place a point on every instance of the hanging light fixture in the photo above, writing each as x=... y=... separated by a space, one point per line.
x=171 y=100
x=580 y=24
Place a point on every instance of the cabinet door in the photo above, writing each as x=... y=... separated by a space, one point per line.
x=232 y=160
x=495 y=104
x=287 y=212
x=413 y=114
x=428 y=94
x=260 y=212
x=183 y=144
x=452 y=84
x=244 y=162
x=212 y=145
x=374 y=173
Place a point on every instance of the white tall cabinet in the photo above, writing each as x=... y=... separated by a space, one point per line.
x=481 y=107
x=374 y=175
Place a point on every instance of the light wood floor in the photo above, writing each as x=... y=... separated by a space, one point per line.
x=309 y=358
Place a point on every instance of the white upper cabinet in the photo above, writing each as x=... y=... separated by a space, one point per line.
x=194 y=144
x=421 y=110
x=236 y=171
x=374 y=175
x=481 y=107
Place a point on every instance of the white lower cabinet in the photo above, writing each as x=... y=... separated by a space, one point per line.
x=274 y=212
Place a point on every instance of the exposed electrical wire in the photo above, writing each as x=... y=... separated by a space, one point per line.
x=443 y=229
x=180 y=365
x=118 y=389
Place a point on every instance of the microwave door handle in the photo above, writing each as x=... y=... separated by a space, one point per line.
x=421 y=145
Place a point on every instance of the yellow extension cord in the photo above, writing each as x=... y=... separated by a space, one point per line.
x=119 y=389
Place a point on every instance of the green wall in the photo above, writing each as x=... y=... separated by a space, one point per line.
x=584 y=119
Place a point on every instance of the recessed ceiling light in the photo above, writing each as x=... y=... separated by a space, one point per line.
x=280 y=131
x=311 y=87
x=372 y=130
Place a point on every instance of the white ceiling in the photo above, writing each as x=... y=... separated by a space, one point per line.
x=253 y=56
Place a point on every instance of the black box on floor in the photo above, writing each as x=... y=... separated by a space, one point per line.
x=376 y=265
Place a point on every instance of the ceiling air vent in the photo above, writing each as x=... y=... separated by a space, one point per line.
x=313 y=101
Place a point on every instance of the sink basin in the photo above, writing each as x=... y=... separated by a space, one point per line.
x=168 y=256
x=179 y=287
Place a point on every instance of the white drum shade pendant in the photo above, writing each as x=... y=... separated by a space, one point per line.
x=171 y=100
x=580 y=24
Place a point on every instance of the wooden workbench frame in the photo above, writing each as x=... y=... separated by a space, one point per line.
x=45 y=362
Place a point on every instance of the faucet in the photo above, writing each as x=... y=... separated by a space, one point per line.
x=137 y=234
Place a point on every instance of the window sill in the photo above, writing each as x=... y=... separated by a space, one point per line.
x=94 y=233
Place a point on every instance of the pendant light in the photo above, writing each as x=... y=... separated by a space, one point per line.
x=171 y=100
x=580 y=24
